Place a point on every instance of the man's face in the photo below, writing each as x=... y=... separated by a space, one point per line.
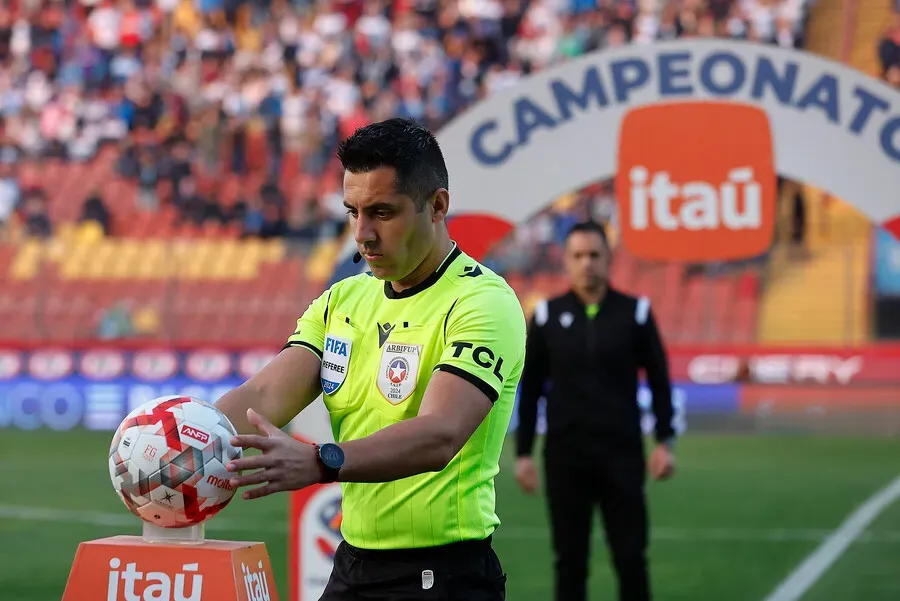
x=586 y=260
x=391 y=234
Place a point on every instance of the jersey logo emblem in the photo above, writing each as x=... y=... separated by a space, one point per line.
x=383 y=332
x=566 y=319
x=335 y=360
x=399 y=371
x=471 y=271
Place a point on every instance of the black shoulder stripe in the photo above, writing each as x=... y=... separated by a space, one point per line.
x=447 y=317
x=480 y=384
x=327 y=305
x=304 y=344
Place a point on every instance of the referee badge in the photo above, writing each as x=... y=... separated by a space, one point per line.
x=399 y=371
x=335 y=360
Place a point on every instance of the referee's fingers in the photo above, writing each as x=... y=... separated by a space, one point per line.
x=254 y=478
x=261 y=491
x=251 y=463
x=252 y=441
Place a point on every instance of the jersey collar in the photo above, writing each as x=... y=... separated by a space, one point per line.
x=427 y=282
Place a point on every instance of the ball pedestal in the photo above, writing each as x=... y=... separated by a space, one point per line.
x=191 y=535
x=170 y=563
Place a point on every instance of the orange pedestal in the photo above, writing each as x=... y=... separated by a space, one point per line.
x=125 y=568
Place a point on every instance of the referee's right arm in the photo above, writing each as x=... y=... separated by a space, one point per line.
x=534 y=376
x=288 y=383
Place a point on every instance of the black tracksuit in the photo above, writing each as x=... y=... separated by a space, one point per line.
x=594 y=453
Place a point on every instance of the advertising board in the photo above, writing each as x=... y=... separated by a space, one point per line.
x=96 y=386
x=877 y=364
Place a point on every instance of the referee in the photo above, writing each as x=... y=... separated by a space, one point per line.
x=419 y=362
x=589 y=345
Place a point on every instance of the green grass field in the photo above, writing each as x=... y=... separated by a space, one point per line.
x=741 y=514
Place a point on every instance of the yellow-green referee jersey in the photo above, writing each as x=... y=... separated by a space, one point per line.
x=379 y=349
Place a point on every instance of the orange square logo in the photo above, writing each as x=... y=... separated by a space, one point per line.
x=696 y=182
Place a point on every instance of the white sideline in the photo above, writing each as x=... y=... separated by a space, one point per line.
x=818 y=562
x=763 y=535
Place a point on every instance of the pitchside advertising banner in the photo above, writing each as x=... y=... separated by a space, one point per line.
x=95 y=387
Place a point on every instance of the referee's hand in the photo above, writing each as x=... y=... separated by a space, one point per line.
x=527 y=474
x=285 y=462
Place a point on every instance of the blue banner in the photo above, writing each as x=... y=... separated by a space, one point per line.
x=96 y=388
x=887 y=264
x=28 y=403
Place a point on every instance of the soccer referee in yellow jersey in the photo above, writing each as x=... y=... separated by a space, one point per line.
x=419 y=362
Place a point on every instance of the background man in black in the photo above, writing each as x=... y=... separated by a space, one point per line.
x=589 y=345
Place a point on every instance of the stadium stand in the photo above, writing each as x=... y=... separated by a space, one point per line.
x=838 y=238
x=167 y=168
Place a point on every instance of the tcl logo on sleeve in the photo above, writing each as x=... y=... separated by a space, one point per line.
x=696 y=182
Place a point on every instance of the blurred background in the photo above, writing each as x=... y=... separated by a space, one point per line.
x=170 y=202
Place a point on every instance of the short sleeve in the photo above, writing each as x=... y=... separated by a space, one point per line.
x=310 y=330
x=485 y=340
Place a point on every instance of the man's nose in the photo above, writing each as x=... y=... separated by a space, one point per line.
x=364 y=232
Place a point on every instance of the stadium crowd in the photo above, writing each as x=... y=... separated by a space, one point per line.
x=178 y=86
x=889 y=51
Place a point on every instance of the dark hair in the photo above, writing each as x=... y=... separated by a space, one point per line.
x=589 y=227
x=404 y=145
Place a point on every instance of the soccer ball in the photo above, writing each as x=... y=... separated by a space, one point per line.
x=167 y=461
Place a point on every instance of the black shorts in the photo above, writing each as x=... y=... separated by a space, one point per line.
x=466 y=571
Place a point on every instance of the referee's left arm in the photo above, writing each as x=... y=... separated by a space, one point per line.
x=652 y=357
x=481 y=362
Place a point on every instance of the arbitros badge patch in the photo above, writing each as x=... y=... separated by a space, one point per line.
x=399 y=371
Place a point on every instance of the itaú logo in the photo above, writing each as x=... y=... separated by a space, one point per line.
x=256 y=583
x=131 y=584
x=696 y=182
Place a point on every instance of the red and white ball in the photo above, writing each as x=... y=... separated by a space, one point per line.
x=167 y=461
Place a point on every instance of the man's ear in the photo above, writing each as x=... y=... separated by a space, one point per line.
x=440 y=204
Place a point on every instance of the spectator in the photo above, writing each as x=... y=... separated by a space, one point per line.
x=35 y=216
x=185 y=88
x=9 y=192
x=889 y=47
x=893 y=76
x=95 y=210
x=148 y=178
x=116 y=321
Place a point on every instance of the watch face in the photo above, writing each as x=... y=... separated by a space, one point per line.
x=332 y=456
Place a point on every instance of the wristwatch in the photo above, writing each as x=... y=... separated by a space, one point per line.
x=331 y=457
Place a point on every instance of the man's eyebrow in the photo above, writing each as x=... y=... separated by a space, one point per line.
x=375 y=206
